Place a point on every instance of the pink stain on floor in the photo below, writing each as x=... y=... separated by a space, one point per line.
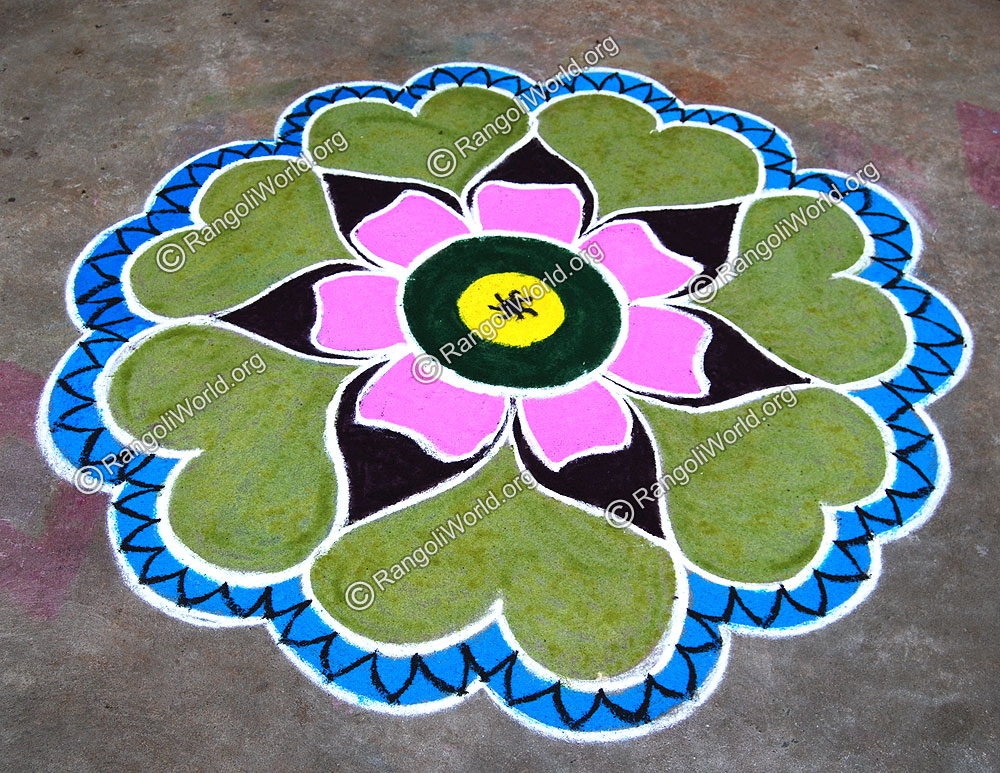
x=980 y=130
x=37 y=572
x=849 y=151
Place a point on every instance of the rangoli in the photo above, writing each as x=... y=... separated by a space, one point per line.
x=473 y=384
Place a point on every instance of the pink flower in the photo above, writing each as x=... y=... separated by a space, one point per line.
x=659 y=350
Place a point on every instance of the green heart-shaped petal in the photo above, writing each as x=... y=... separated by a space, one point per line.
x=748 y=507
x=582 y=598
x=837 y=328
x=389 y=140
x=268 y=218
x=238 y=257
x=631 y=164
x=262 y=494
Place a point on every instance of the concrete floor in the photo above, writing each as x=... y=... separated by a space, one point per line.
x=99 y=99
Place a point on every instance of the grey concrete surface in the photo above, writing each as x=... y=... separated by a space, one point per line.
x=99 y=99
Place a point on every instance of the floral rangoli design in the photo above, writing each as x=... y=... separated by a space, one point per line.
x=550 y=413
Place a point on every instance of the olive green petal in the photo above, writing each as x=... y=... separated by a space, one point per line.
x=469 y=123
x=632 y=164
x=750 y=512
x=267 y=218
x=262 y=493
x=837 y=328
x=287 y=226
x=583 y=599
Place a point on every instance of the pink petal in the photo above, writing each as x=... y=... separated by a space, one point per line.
x=555 y=211
x=448 y=420
x=645 y=268
x=664 y=352
x=408 y=227
x=357 y=312
x=587 y=421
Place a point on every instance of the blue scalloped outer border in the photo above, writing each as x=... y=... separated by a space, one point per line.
x=380 y=681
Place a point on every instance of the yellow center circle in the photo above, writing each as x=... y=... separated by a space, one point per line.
x=511 y=309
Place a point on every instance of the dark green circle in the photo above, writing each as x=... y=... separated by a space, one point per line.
x=582 y=342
